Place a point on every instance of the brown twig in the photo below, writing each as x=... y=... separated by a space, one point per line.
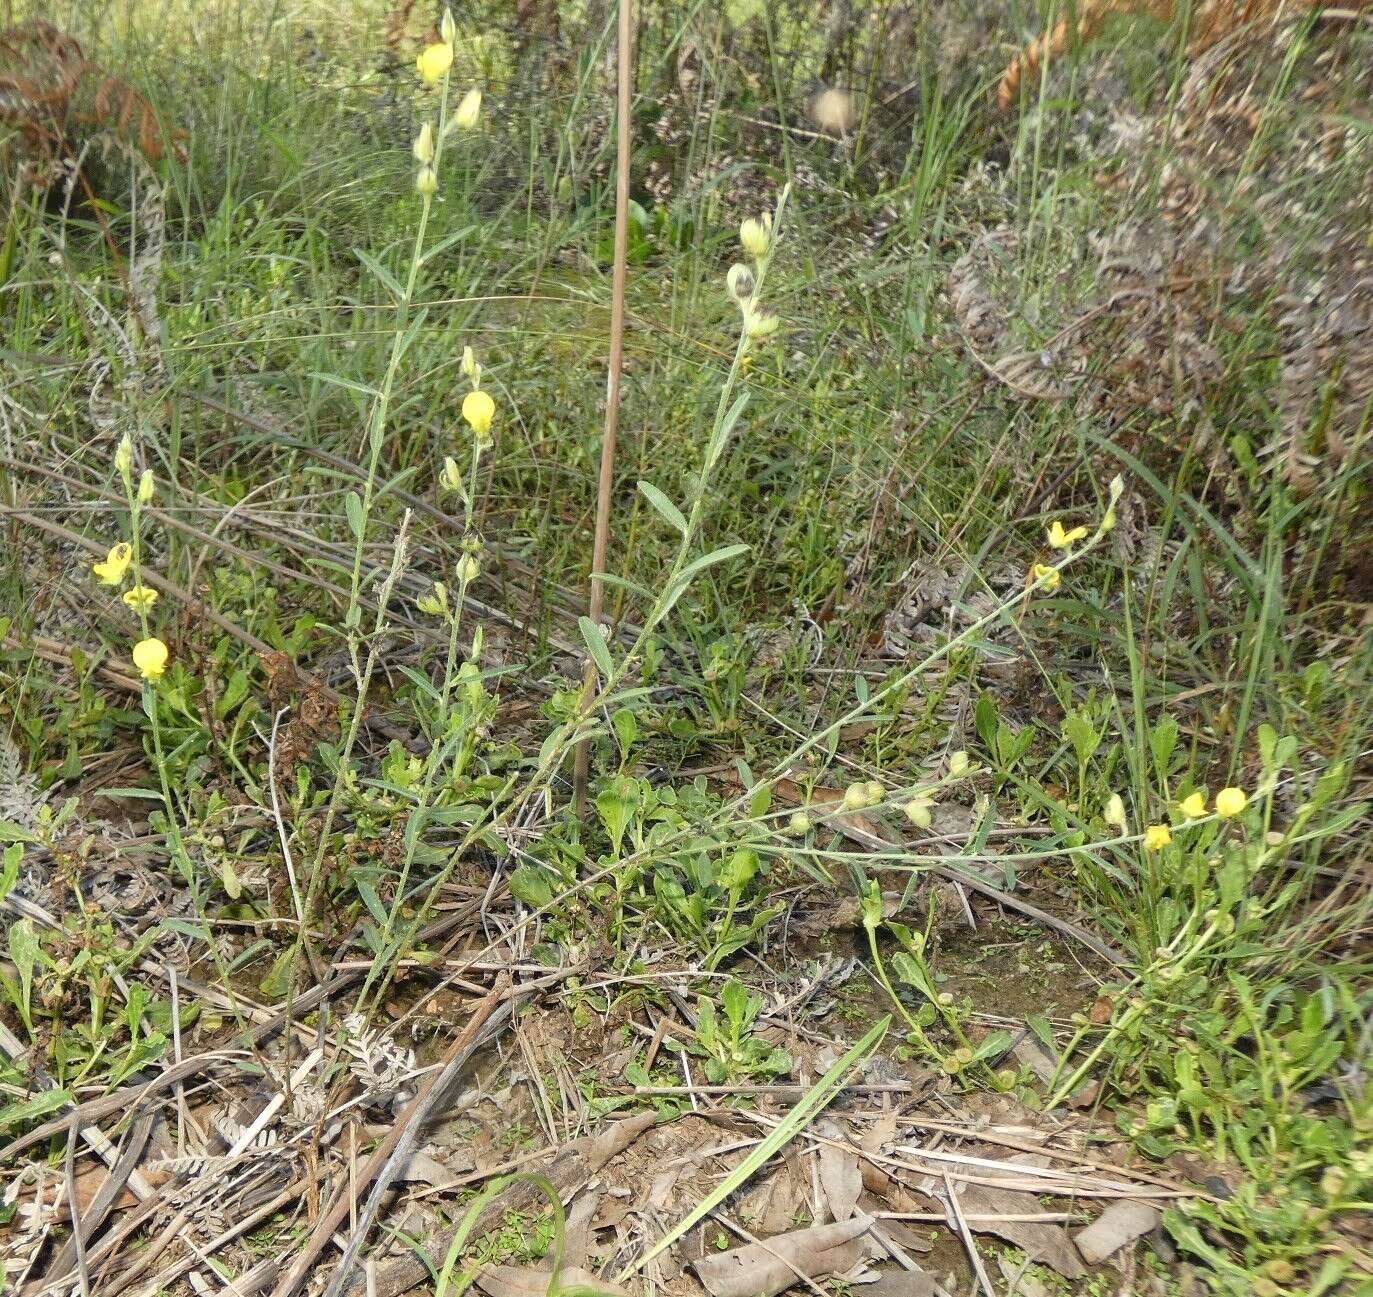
x=582 y=758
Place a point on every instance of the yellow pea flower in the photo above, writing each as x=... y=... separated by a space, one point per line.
x=479 y=409
x=1230 y=802
x=1157 y=836
x=112 y=567
x=1193 y=807
x=1049 y=575
x=140 y=597
x=150 y=657
x=469 y=109
x=755 y=234
x=434 y=61
x=1061 y=539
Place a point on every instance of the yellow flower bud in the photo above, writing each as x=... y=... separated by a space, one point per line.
x=146 y=487
x=434 y=61
x=855 y=797
x=427 y=181
x=479 y=409
x=469 y=109
x=448 y=29
x=798 y=824
x=436 y=601
x=1157 y=836
x=140 y=597
x=1194 y=806
x=451 y=477
x=1114 y=814
x=759 y=322
x=1230 y=802
x=150 y=657
x=755 y=235
x=470 y=368
x=739 y=281
x=423 y=147
x=1061 y=539
x=468 y=569
x=918 y=812
x=1049 y=576
x=958 y=763
x=111 y=569
x=123 y=457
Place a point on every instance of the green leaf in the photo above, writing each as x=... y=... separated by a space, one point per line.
x=664 y=506
x=25 y=952
x=391 y=283
x=596 y=646
x=721 y=555
x=357 y=521
x=40 y=1105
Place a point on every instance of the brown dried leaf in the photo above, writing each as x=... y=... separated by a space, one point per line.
x=1121 y=1223
x=1044 y=1241
x=762 y=1269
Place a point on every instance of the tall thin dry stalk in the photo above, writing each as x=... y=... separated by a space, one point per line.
x=625 y=65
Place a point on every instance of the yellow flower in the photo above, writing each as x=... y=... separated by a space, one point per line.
x=755 y=234
x=1157 y=836
x=423 y=147
x=1230 y=802
x=112 y=568
x=150 y=657
x=1194 y=807
x=479 y=409
x=434 y=61
x=426 y=181
x=469 y=109
x=140 y=597
x=1061 y=539
x=1049 y=575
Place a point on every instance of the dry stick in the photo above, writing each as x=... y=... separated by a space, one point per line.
x=131 y=1098
x=335 y=1216
x=582 y=757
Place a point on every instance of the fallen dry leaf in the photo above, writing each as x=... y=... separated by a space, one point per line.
x=762 y=1269
x=1121 y=1223
x=841 y=1181
x=528 y=1281
x=1042 y=1240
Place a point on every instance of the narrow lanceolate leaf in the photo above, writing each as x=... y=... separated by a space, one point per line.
x=595 y=645
x=721 y=555
x=389 y=281
x=664 y=506
x=357 y=522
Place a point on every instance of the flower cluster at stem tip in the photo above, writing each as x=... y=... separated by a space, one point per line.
x=149 y=654
x=433 y=65
x=755 y=237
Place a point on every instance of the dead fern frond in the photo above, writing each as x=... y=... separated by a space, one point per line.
x=42 y=73
x=1213 y=21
